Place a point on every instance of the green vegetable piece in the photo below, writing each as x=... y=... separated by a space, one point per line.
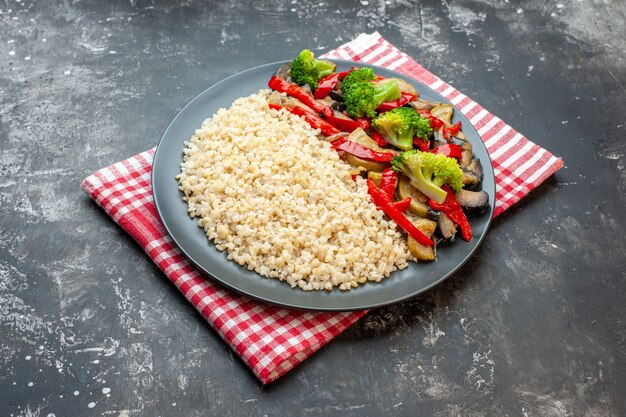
x=305 y=69
x=362 y=98
x=429 y=171
x=399 y=126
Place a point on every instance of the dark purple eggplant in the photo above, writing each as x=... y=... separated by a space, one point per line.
x=466 y=154
x=472 y=173
x=475 y=201
x=283 y=72
x=446 y=227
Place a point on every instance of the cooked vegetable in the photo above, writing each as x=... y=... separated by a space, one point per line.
x=434 y=167
x=421 y=104
x=383 y=201
x=442 y=112
x=375 y=176
x=282 y=86
x=305 y=69
x=447 y=228
x=400 y=126
x=389 y=105
x=472 y=200
x=346 y=124
x=388 y=181
x=355 y=161
x=358 y=150
x=422 y=252
x=450 y=150
x=466 y=154
x=419 y=201
x=313 y=120
x=326 y=85
x=362 y=95
x=429 y=172
x=451 y=208
x=472 y=173
x=356 y=76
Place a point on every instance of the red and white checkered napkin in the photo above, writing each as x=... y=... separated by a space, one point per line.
x=272 y=340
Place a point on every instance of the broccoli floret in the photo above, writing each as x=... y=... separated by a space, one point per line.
x=305 y=69
x=429 y=171
x=357 y=76
x=400 y=125
x=362 y=98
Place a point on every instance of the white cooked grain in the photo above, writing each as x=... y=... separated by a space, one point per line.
x=282 y=203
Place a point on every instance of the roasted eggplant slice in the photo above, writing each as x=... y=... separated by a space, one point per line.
x=472 y=173
x=419 y=205
x=447 y=228
x=375 y=177
x=283 y=72
x=422 y=252
x=443 y=112
x=355 y=161
x=473 y=200
x=466 y=154
x=420 y=104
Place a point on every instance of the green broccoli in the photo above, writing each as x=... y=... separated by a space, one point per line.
x=305 y=69
x=400 y=125
x=429 y=171
x=362 y=98
x=357 y=76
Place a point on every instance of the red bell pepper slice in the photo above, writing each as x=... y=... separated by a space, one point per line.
x=421 y=144
x=382 y=200
x=343 y=74
x=358 y=150
x=454 y=211
x=450 y=150
x=364 y=122
x=345 y=125
x=448 y=132
x=325 y=86
x=403 y=205
x=298 y=92
x=388 y=181
x=435 y=123
x=378 y=138
x=313 y=120
x=390 y=105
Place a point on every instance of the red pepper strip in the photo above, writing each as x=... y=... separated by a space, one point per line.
x=343 y=74
x=358 y=150
x=345 y=125
x=388 y=181
x=454 y=211
x=421 y=144
x=435 y=123
x=364 y=122
x=390 y=105
x=315 y=121
x=450 y=150
x=378 y=138
x=325 y=86
x=295 y=91
x=383 y=201
x=448 y=132
x=403 y=205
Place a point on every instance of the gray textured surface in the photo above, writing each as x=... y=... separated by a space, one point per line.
x=534 y=325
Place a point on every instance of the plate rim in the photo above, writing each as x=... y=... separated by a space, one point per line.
x=489 y=212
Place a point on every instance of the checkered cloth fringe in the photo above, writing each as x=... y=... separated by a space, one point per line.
x=272 y=340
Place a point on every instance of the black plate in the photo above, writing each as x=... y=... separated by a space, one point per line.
x=193 y=242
